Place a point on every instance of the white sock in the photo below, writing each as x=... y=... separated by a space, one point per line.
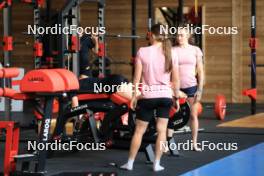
x=128 y=165
x=157 y=167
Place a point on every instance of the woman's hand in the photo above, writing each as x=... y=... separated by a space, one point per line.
x=198 y=96
x=177 y=100
x=133 y=103
x=177 y=105
x=182 y=95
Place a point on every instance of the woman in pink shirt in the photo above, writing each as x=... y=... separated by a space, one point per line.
x=156 y=66
x=191 y=76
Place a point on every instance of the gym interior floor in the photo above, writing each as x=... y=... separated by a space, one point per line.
x=247 y=160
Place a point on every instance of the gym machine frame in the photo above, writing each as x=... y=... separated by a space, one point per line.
x=70 y=44
x=253 y=44
x=8 y=42
x=7 y=32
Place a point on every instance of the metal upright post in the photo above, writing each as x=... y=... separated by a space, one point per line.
x=75 y=54
x=45 y=134
x=180 y=11
x=37 y=37
x=7 y=22
x=61 y=42
x=150 y=14
x=101 y=23
x=133 y=32
x=253 y=54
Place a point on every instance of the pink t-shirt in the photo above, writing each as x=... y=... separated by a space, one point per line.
x=188 y=58
x=155 y=81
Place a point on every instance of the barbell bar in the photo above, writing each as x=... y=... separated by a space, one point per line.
x=125 y=36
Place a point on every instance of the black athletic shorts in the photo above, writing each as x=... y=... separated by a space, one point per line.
x=190 y=91
x=146 y=107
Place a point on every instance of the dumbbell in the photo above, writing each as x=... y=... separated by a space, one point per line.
x=219 y=107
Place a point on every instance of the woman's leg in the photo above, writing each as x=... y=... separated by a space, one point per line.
x=141 y=127
x=161 y=127
x=194 y=122
x=170 y=132
x=75 y=102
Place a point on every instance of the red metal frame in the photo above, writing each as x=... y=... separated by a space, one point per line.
x=2 y=5
x=11 y=145
x=8 y=43
x=38 y=49
x=101 y=50
x=252 y=93
x=5 y=3
x=253 y=43
x=41 y=3
x=9 y=2
x=75 y=46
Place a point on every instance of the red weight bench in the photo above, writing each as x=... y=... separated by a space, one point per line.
x=119 y=100
x=114 y=99
x=44 y=83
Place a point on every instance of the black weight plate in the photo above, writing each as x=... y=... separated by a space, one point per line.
x=181 y=118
